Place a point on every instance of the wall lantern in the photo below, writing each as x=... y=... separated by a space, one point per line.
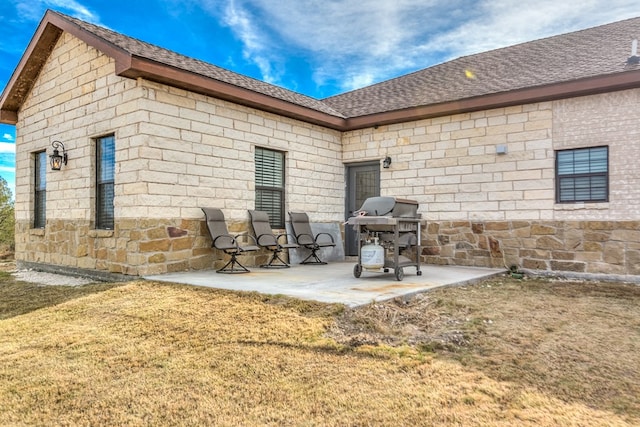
x=56 y=159
x=386 y=162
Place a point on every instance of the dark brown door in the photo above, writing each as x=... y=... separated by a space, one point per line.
x=363 y=181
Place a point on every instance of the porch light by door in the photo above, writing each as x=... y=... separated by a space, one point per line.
x=57 y=160
x=386 y=162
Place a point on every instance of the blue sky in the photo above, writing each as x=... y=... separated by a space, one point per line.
x=316 y=47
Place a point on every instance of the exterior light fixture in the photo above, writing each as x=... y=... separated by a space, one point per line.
x=386 y=162
x=56 y=158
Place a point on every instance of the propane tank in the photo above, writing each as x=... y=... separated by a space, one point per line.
x=372 y=255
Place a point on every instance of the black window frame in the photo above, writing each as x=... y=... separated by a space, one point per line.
x=582 y=175
x=270 y=184
x=105 y=182
x=40 y=189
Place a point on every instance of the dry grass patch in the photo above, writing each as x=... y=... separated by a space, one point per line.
x=146 y=353
x=576 y=341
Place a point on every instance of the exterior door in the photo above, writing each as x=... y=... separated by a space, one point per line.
x=363 y=181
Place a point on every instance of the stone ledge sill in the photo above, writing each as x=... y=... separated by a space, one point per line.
x=36 y=231
x=579 y=206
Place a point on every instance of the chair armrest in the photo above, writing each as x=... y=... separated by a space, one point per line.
x=235 y=238
x=324 y=234
x=287 y=241
x=232 y=239
x=311 y=239
x=264 y=235
x=278 y=236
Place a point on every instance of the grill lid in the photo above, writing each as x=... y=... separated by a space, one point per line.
x=377 y=206
x=388 y=206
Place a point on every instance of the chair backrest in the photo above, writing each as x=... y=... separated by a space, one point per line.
x=217 y=227
x=262 y=228
x=301 y=228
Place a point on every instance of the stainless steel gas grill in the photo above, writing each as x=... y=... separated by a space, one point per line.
x=387 y=229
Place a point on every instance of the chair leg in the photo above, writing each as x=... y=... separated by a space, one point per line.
x=276 y=257
x=233 y=262
x=316 y=260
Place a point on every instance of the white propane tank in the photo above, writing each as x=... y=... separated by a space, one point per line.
x=372 y=256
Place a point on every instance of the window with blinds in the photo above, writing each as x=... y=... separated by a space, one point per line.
x=105 y=167
x=270 y=185
x=40 y=194
x=582 y=175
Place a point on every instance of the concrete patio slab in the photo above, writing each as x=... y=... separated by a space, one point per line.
x=333 y=282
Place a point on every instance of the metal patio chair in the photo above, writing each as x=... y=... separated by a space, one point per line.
x=305 y=237
x=265 y=238
x=229 y=244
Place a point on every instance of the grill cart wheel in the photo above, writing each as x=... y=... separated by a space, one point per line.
x=357 y=271
x=419 y=272
x=399 y=273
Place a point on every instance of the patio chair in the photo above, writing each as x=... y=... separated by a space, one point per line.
x=265 y=238
x=226 y=242
x=305 y=237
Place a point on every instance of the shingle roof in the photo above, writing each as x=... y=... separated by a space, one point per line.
x=563 y=58
x=167 y=57
x=583 y=62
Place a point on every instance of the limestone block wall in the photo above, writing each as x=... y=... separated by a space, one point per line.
x=199 y=151
x=611 y=119
x=450 y=165
x=176 y=151
x=494 y=210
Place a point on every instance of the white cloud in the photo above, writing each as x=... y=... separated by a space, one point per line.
x=252 y=39
x=7 y=147
x=505 y=23
x=7 y=137
x=76 y=9
x=373 y=40
x=33 y=10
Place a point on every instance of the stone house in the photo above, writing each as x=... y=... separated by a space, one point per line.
x=524 y=156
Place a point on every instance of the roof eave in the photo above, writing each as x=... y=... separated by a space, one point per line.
x=36 y=54
x=587 y=86
x=8 y=117
x=27 y=70
x=52 y=26
x=137 y=67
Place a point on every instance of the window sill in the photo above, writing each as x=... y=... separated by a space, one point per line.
x=100 y=233
x=580 y=206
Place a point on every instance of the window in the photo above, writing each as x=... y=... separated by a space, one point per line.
x=40 y=195
x=582 y=175
x=105 y=166
x=270 y=185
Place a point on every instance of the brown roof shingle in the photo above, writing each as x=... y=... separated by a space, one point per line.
x=569 y=57
x=158 y=54
x=583 y=62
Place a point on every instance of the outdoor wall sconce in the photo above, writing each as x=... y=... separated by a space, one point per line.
x=56 y=159
x=386 y=162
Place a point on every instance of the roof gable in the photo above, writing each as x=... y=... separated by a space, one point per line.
x=135 y=58
x=579 y=63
